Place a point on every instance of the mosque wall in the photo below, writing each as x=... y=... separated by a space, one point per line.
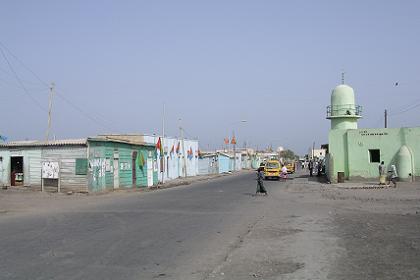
x=338 y=152
x=358 y=152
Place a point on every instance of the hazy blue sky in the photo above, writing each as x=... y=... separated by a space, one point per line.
x=273 y=63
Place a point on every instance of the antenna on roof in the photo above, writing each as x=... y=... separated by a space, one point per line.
x=342 y=77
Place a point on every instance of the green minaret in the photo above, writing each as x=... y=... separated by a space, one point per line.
x=343 y=111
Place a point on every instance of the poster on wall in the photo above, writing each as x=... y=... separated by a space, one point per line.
x=108 y=167
x=50 y=170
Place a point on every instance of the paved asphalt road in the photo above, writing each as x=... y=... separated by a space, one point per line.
x=216 y=229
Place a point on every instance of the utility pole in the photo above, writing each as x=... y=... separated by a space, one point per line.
x=313 y=150
x=234 y=151
x=184 y=160
x=386 y=118
x=50 y=100
x=163 y=147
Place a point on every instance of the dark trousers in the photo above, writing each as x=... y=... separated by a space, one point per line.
x=260 y=187
x=311 y=171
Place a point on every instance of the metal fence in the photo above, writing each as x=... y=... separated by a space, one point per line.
x=344 y=110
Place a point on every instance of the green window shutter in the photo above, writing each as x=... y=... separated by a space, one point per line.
x=81 y=166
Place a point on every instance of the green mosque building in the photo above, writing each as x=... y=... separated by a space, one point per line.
x=355 y=153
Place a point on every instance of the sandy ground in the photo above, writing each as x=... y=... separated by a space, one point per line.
x=313 y=230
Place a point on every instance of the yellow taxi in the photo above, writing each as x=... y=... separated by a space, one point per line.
x=291 y=167
x=272 y=169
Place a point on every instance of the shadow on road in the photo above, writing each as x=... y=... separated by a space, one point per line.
x=315 y=178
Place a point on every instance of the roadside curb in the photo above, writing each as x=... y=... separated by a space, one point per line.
x=170 y=184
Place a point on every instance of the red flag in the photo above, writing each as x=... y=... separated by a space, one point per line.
x=159 y=146
x=227 y=140
x=233 y=140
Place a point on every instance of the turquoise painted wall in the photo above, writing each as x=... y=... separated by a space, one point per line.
x=102 y=178
x=350 y=150
x=224 y=163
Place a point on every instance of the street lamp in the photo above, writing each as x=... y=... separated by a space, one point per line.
x=234 y=144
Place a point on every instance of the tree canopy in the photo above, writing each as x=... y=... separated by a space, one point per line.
x=287 y=154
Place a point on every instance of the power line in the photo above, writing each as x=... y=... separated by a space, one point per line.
x=23 y=64
x=15 y=85
x=81 y=111
x=20 y=82
x=61 y=96
x=189 y=134
x=34 y=84
x=411 y=107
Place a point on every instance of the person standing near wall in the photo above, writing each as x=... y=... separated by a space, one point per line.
x=382 y=175
x=311 y=167
x=393 y=176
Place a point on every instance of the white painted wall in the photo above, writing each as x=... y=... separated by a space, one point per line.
x=174 y=161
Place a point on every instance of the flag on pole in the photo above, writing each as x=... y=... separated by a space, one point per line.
x=227 y=140
x=233 y=140
x=190 y=153
x=173 y=149
x=178 y=147
x=159 y=146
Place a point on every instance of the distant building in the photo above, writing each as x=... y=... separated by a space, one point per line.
x=317 y=153
x=208 y=164
x=356 y=153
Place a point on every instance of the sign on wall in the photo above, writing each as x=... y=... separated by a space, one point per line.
x=50 y=170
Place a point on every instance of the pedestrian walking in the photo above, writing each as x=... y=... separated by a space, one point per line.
x=382 y=175
x=318 y=168
x=283 y=172
x=311 y=167
x=393 y=176
x=260 y=182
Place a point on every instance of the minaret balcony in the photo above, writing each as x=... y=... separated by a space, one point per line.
x=344 y=111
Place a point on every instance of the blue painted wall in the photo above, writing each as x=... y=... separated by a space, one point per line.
x=224 y=163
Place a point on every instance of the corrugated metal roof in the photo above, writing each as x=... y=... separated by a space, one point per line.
x=37 y=143
x=225 y=154
x=68 y=142
x=113 y=138
x=207 y=154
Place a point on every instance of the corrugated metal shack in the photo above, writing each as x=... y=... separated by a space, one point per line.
x=208 y=164
x=235 y=161
x=246 y=161
x=224 y=162
x=81 y=165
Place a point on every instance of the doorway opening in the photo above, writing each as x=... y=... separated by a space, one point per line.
x=16 y=171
